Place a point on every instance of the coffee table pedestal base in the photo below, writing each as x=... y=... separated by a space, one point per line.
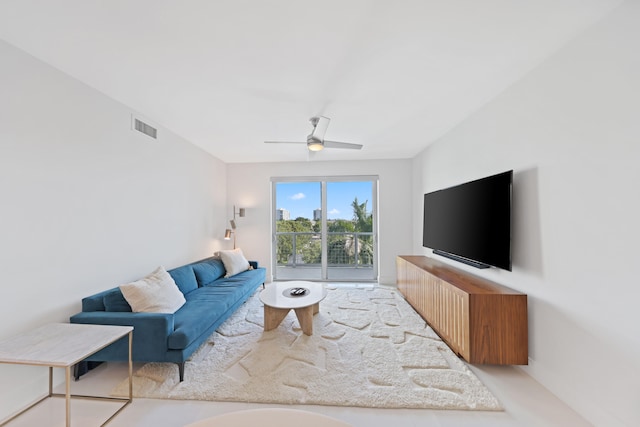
x=274 y=316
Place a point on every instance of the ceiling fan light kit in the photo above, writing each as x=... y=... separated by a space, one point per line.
x=314 y=144
x=315 y=141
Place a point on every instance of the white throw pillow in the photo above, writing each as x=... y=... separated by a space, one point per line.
x=234 y=262
x=155 y=293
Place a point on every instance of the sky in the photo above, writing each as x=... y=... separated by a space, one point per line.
x=302 y=198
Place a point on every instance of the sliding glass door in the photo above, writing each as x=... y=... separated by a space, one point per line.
x=350 y=238
x=297 y=241
x=324 y=228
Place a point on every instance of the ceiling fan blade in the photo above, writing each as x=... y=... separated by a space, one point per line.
x=320 y=127
x=315 y=141
x=336 y=144
x=285 y=142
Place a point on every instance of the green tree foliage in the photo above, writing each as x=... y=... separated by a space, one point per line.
x=284 y=250
x=341 y=248
x=362 y=220
x=341 y=226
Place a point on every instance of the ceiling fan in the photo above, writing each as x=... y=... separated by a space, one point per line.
x=316 y=141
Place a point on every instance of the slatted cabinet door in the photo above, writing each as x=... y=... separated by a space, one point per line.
x=481 y=321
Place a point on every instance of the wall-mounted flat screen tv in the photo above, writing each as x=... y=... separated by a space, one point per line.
x=471 y=222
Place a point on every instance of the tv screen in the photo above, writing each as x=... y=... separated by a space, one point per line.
x=471 y=222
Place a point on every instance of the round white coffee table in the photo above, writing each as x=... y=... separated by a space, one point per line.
x=279 y=298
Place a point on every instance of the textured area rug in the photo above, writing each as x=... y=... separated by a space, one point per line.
x=369 y=348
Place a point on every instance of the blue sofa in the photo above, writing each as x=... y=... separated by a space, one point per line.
x=159 y=337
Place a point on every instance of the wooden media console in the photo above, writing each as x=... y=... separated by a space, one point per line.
x=483 y=322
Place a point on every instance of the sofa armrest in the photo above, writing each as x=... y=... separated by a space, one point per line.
x=150 y=332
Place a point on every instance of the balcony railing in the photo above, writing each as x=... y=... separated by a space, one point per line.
x=344 y=249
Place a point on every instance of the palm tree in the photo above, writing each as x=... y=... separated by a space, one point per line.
x=344 y=249
x=363 y=222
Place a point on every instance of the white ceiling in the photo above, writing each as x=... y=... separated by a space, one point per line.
x=394 y=75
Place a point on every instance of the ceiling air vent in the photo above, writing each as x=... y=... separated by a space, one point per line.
x=145 y=128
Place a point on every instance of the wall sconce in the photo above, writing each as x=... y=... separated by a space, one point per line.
x=229 y=231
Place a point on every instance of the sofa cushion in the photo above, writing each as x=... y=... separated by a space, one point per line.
x=191 y=321
x=185 y=278
x=234 y=262
x=203 y=308
x=208 y=270
x=244 y=279
x=114 y=301
x=95 y=302
x=155 y=293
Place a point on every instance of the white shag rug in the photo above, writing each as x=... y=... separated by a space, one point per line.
x=369 y=348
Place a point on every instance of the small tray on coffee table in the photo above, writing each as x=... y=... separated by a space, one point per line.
x=296 y=292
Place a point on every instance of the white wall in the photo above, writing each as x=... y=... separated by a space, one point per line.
x=87 y=204
x=571 y=132
x=249 y=186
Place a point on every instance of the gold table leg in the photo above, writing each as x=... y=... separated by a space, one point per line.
x=67 y=372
